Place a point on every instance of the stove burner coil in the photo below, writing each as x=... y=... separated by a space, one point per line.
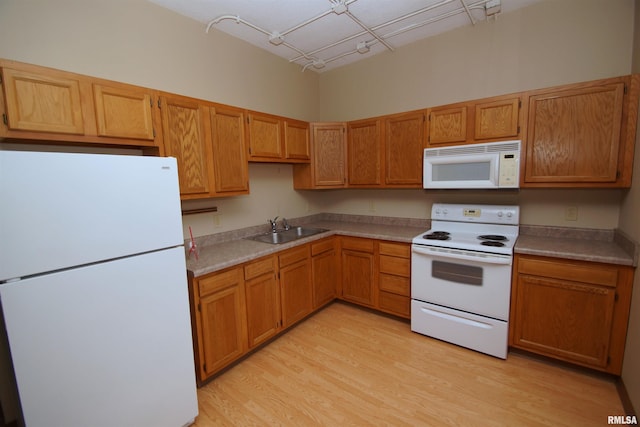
x=494 y=237
x=437 y=235
x=493 y=243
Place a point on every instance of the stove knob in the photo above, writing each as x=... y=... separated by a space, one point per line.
x=445 y=211
x=509 y=214
x=437 y=211
x=500 y=214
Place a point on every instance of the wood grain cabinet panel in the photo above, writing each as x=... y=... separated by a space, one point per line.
x=186 y=138
x=324 y=271
x=42 y=103
x=265 y=136
x=221 y=321
x=262 y=300
x=394 y=278
x=295 y=285
x=230 y=166
x=296 y=140
x=447 y=125
x=497 y=119
x=364 y=153
x=123 y=112
x=358 y=271
x=403 y=145
x=574 y=135
x=571 y=310
x=328 y=167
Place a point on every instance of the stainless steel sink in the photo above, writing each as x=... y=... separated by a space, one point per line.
x=284 y=236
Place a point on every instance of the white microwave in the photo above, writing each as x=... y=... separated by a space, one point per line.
x=489 y=165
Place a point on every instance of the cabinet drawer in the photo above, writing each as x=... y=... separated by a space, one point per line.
x=294 y=255
x=260 y=267
x=401 y=250
x=577 y=272
x=322 y=246
x=219 y=281
x=358 y=244
x=395 y=265
x=395 y=284
x=396 y=304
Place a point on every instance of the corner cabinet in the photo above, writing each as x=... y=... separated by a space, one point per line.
x=328 y=167
x=571 y=310
x=582 y=135
x=359 y=282
x=275 y=139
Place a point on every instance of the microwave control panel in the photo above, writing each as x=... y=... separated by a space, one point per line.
x=509 y=169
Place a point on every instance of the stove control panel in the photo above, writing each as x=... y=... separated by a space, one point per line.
x=489 y=214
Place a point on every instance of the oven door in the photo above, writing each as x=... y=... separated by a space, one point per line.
x=475 y=282
x=462 y=171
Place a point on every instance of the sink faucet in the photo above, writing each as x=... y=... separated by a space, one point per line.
x=273 y=223
x=285 y=224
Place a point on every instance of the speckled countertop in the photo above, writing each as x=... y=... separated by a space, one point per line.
x=223 y=250
x=607 y=246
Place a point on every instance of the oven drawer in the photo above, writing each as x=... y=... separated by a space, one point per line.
x=468 y=330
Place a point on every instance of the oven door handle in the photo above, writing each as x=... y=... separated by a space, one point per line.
x=463 y=255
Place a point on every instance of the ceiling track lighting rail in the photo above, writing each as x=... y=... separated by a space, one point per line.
x=490 y=7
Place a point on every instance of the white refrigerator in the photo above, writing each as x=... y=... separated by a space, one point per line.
x=93 y=290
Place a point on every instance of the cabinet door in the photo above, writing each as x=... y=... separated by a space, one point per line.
x=123 y=112
x=566 y=319
x=265 y=136
x=498 y=119
x=447 y=125
x=574 y=135
x=296 y=140
x=230 y=165
x=358 y=271
x=41 y=103
x=364 y=153
x=185 y=139
x=296 y=294
x=263 y=309
x=324 y=270
x=404 y=145
x=223 y=321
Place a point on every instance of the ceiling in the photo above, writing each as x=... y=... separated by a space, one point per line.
x=321 y=35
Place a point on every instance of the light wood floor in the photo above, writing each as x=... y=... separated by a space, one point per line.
x=349 y=367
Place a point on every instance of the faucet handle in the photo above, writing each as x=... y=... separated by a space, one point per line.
x=285 y=224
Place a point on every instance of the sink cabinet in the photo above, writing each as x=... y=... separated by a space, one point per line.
x=295 y=284
x=574 y=311
x=324 y=270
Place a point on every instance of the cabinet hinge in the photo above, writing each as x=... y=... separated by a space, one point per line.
x=518 y=128
x=0 y=79
x=204 y=367
x=150 y=102
x=608 y=360
x=618 y=174
x=154 y=133
x=4 y=119
x=199 y=307
x=625 y=88
x=519 y=103
x=615 y=297
x=159 y=105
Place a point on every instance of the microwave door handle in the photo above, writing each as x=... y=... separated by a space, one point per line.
x=461 y=255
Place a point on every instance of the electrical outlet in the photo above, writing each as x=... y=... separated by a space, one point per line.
x=571 y=213
x=372 y=206
x=217 y=221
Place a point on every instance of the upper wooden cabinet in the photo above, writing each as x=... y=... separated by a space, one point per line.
x=208 y=142
x=123 y=111
x=328 y=161
x=364 y=152
x=41 y=103
x=277 y=139
x=230 y=166
x=582 y=134
x=484 y=120
x=403 y=146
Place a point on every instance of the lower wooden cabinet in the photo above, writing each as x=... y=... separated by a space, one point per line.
x=262 y=300
x=221 y=325
x=394 y=278
x=358 y=270
x=324 y=271
x=571 y=310
x=295 y=284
